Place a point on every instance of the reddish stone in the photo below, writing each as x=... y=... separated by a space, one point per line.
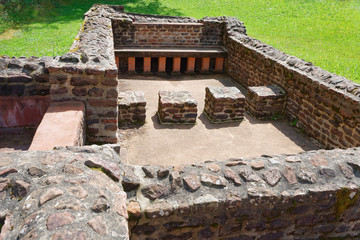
x=96 y=92
x=272 y=176
x=82 y=81
x=79 y=91
x=98 y=225
x=110 y=82
x=232 y=176
x=7 y=171
x=119 y=204
x=111 y=168
x=154 y=191
x=213 y=167
x=71 y=169
x=102 y=103
x=292 y=159
x=346 y=170
x=289 y=174
x=192 y=182
x=318 y=160
x=109 y=121
x=235 y=163
x=56 y=220
x=212 y=181
x=50 y=194
x=257 y=165
x=111 y=73
x=248 y=175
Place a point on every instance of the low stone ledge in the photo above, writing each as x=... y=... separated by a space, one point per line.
x=265 y=101
x=62 y=125
x=177 y=107
x=313 y=194
x=224 y=104
x=131 y=107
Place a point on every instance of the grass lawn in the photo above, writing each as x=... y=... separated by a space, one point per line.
x=325 y=32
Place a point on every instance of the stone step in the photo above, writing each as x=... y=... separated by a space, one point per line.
x=62 y=125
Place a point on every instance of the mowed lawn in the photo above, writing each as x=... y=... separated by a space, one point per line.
x=325 y=32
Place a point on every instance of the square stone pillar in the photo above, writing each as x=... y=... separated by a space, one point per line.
x=162 y=64
x=265 y=102
x=205 y=64
x=131 y=64
x=177 y=107
x=176 y=64
x=190 y=65
x=147 y=64
x=224 y=104
x=219 y=64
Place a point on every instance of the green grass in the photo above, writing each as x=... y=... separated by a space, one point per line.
x=325 y=32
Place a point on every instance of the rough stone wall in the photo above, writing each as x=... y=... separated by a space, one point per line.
x=325 y=105
x=24 y=91
x=62 y=194
x=88 y=73
x=142 y=30
x=306 y=196
x=97 y=89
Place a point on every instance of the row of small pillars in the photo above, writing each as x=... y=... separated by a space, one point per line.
x=176 y=64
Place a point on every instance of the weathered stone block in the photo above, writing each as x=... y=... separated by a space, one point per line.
x=177 y=107
x=265 y=101
x=224 y=104
x=131 y=107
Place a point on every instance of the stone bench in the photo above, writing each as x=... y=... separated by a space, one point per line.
x=176 y=53
x=265 y=101
x=62 y=125
x=131 y=106
x=224 y=104
x=177 y=107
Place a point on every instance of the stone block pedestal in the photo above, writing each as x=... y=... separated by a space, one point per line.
x=224 y=104
x=131 y=107
x=265 y=101
x=177 y=107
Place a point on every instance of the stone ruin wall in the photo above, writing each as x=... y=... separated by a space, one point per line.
x=87 y=73
x=325 y=106
x=24 y=91
x=310 y=195
x=306 y=196
x=151 y=30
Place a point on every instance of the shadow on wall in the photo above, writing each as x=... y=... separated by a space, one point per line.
x=18 y=13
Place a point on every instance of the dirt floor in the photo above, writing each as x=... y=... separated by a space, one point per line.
x=16 y=139
x=158 y=144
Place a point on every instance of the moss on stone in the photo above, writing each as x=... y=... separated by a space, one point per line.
x=344 y=201
x=100 y=169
